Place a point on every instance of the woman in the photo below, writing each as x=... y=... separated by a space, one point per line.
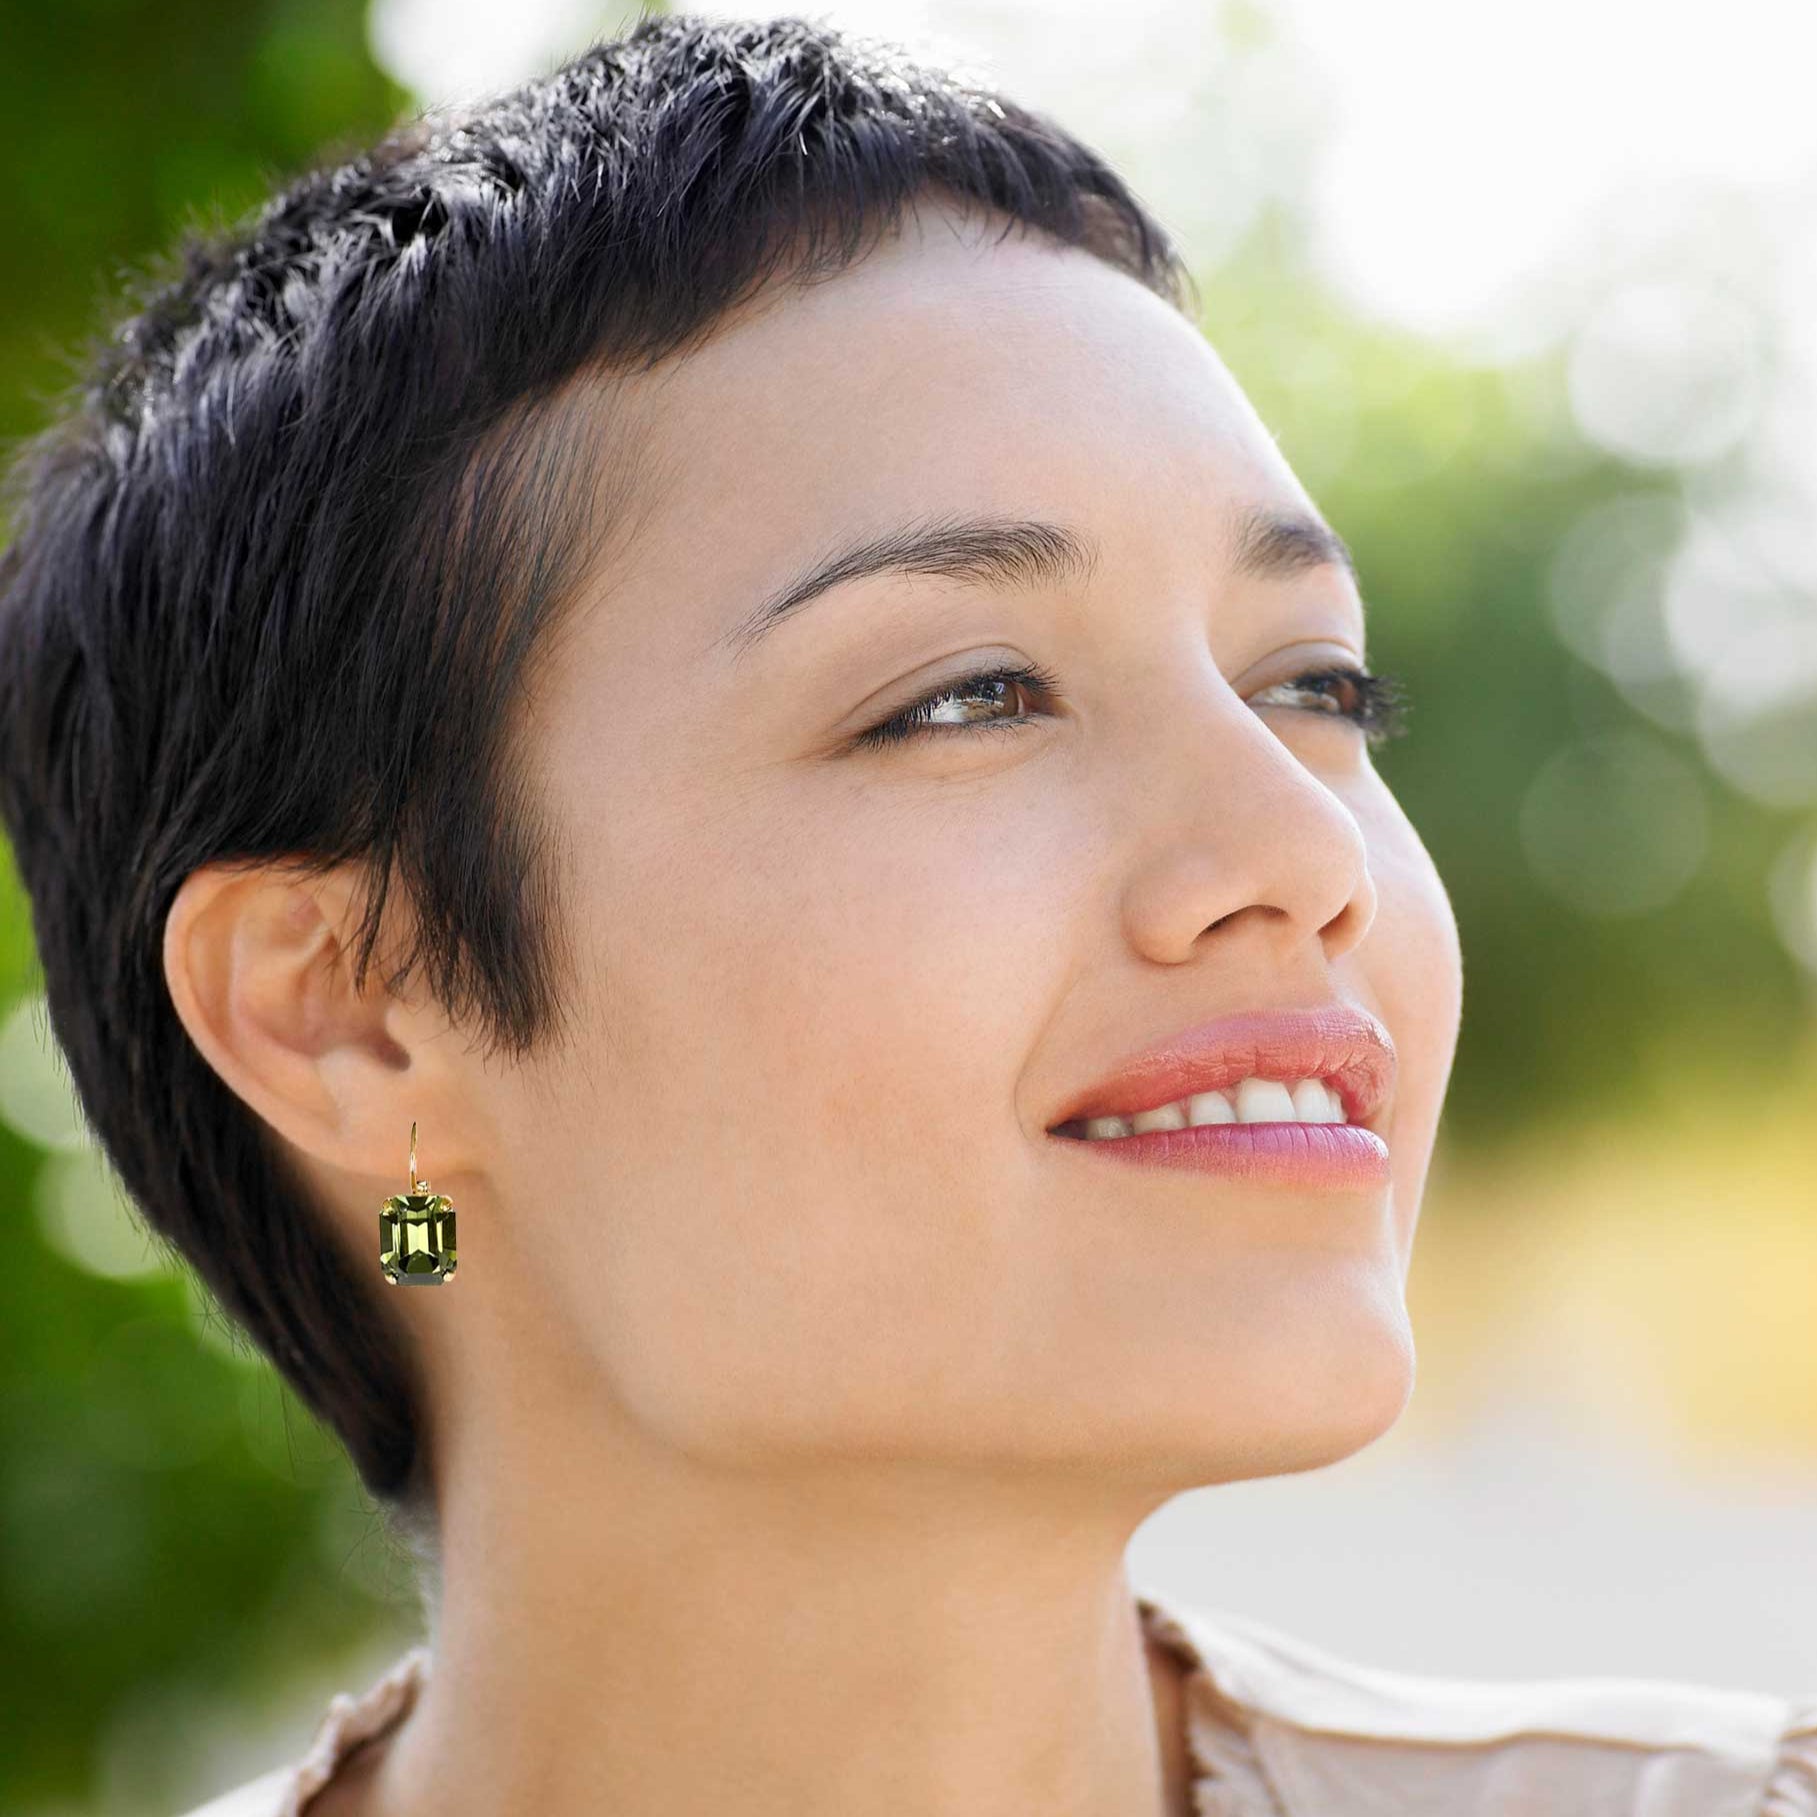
x=734 y=576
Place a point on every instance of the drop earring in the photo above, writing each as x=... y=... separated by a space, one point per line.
x=416 y=1233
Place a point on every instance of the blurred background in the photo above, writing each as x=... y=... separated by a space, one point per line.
x=1525 y=292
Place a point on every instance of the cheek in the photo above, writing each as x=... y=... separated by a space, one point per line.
x=885 y=949
x=1413 y=968
x=809 y=1033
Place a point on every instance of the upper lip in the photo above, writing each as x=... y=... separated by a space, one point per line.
x=1337 y=1042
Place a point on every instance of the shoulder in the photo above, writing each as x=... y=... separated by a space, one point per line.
x=261 y=1797
x=1326 y=1729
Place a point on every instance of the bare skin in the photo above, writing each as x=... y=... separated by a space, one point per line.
x=799 y=1395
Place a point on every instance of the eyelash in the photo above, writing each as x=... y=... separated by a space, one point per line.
x=1379 y=708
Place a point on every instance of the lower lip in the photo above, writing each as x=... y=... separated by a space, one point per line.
x=1334 y=1156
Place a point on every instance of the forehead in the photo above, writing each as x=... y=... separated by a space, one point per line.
x=950 y=370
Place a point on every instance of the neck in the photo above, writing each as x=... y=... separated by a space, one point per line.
x=641 y=1637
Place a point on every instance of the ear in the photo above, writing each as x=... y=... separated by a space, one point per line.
x=259 y=964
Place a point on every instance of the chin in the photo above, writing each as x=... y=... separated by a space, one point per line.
x=1355 y=1396
x=1325 y=1384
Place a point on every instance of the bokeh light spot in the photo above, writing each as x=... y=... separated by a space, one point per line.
x=1615 y=824
x=36 y=1097
x=86 y=1217
x=1666 y=372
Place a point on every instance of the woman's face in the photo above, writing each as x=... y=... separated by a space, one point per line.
x=791 y=1198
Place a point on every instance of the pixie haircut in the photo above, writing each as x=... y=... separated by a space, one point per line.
x=282 y=569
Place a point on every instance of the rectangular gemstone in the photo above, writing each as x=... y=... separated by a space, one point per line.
x=416 y=1239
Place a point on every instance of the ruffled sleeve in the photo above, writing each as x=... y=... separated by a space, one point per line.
x=1792 y=1789
x=349 y=1721
x=1286 y=1728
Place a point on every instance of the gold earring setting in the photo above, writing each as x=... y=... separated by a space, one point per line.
x=416 y=1233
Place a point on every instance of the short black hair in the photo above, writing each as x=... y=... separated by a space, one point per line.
x=282 y=568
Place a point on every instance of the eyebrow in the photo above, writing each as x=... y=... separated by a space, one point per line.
x=1009 y=553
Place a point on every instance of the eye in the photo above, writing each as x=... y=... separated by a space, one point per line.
x=1377 y=704
x=919 y=719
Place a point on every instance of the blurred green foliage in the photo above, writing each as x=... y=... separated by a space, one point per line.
x=173 y=1526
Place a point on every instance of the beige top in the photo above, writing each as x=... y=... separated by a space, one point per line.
x=1278 y=1727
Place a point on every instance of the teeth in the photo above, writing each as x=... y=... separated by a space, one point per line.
x=1209 y=1107
x=1264 y=1101
x=1314 y=1102
x=1165 y=1116
x=1251 y=1100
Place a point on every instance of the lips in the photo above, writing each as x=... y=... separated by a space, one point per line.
x=1337 y=1042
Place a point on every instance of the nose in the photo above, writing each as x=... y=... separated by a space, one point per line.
x=1241 y=833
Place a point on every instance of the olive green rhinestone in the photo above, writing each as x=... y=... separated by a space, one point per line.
x=416 y=1237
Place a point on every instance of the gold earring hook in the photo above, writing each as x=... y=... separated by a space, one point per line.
x=413 y=1157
